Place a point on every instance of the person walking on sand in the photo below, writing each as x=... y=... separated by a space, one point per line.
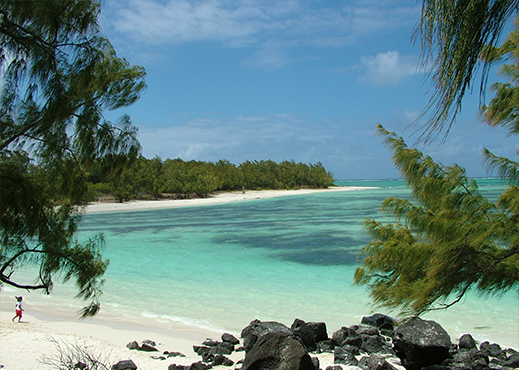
x=19 y=309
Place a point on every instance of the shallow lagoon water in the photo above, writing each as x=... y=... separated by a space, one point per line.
x=221 y=266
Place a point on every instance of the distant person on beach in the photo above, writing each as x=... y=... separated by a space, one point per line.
x=19 y=309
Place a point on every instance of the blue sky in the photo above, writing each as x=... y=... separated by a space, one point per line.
x=302 y=80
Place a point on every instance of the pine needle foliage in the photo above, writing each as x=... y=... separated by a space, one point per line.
x=58 y=75
x=455 y=35
x=447 y=240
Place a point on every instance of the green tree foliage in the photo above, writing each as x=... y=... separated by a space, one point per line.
x=455 y=35
x=449 y=239
x=231 y=178
x=152 y=179
x=58 y=75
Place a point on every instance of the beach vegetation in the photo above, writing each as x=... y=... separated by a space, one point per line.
x=155 y=178
x=76 y=355
x=448 y=239
x=59 y=75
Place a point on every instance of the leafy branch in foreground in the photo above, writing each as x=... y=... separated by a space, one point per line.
x=59 y=75
x=448 y=240
x=455 y=38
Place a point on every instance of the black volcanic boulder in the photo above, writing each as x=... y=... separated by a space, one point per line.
x=490 y=349
x=256 y=329
x=340 y=336
x=229 y=338
x=342 y=356
x=125 y=365
x=421 y=343
x=380 y=321
x=275 y=351
x=310 y=333
x=467 y=342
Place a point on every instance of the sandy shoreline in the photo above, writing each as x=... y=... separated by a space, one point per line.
x=219 y=198
x=25 y=344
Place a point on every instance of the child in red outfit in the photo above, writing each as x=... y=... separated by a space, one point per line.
x=19 y=309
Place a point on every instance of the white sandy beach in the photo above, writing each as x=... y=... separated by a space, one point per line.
x=24 y=345
x=223 y=197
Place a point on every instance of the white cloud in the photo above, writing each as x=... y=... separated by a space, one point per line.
x=388 y=68
x=348 y=148
x=242 y=22
x=277 y=137
x=269 y=57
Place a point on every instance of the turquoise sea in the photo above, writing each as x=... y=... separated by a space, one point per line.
x=220 y=266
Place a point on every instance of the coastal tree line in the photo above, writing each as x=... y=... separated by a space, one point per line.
x=155 y=178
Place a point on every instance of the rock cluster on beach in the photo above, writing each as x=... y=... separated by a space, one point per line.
x=375 y=344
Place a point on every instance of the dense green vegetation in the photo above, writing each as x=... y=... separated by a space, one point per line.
x=59 y=74
x=449 y=239
x=155 y=178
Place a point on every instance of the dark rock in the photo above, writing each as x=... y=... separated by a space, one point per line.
x=480 y=364
x=319 y=328
x=210 y=343
x=208 y=357
x=309 y=333
x=352 y=341
x=81 y=366
x=316 y=363
x=222 y=360
x=174 y=354
x=214 y=347
x=177 y=367
x=421 y=343
x=125 y=365
x=512 y=361
x=495 y=363
x=352 y=349
x=490 y=349
x=341 y=356
x=276 y=351
x=437 y=367
x=379 y=321
x=325 y=346
x=378 y=361
x=149 y=342
x=133 y=345
x=147 y=348
x=464 y=357
x=224 y=348
x=199 y=366
x=342 y=334
x=391 y=363
x=472 y=359
x=256 y=329
x=372 y=344
x=158 y=357
x=366 y=330
x=229 y=338
x=200 y=350
x=466 y=342
x=336 y=367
